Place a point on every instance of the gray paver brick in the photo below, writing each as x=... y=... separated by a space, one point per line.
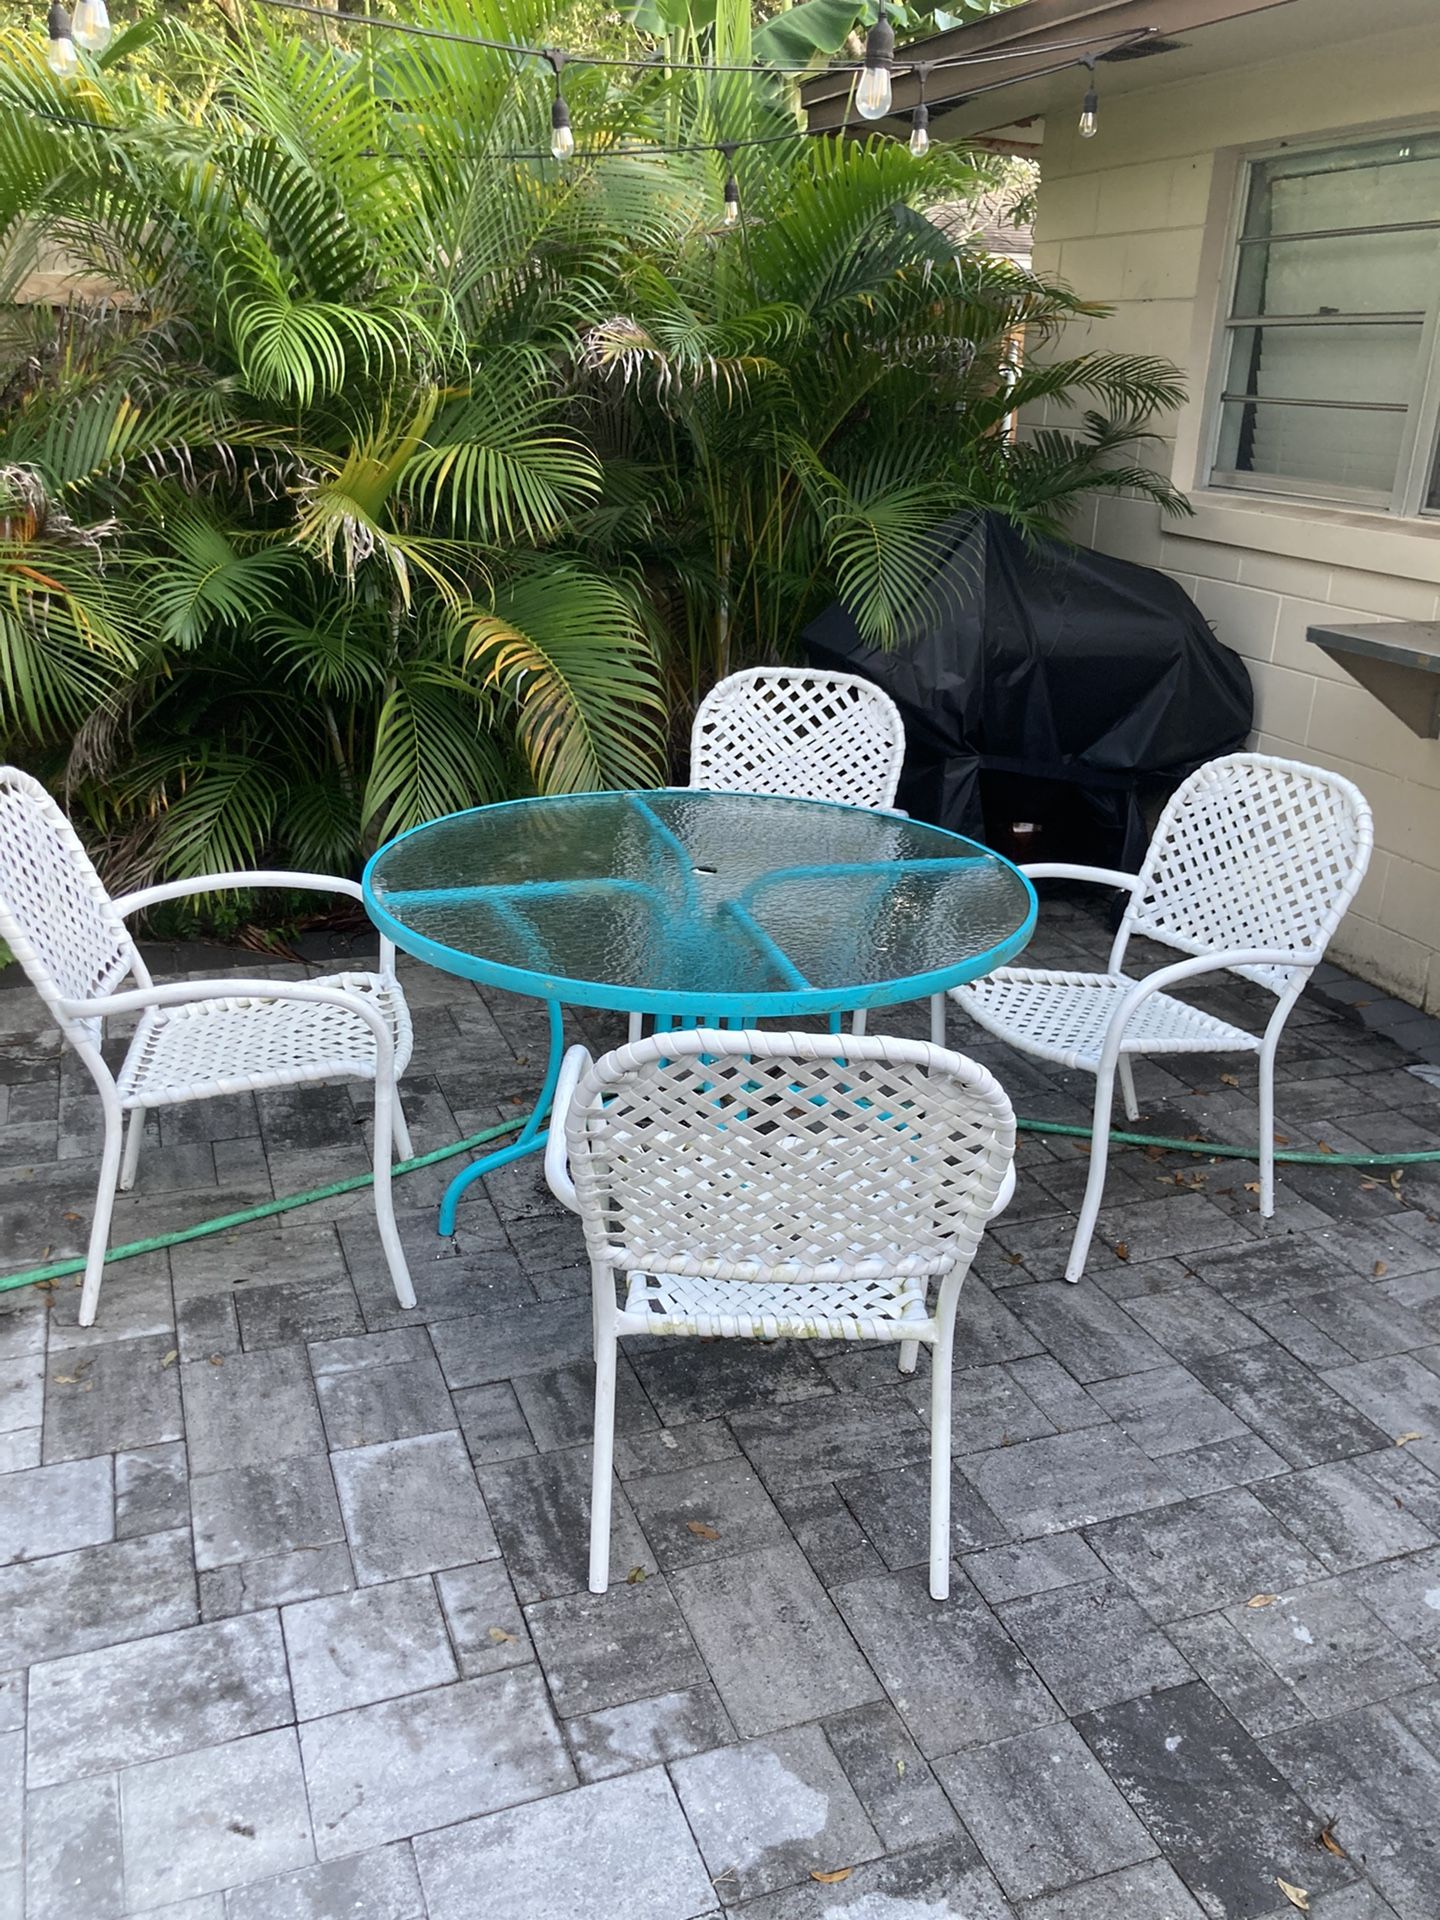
x=1072 y=1480
x=1043 y=1811
x=1204 y=1554
x=1288 y=1406
x=487 y=1628
x=411 y=1506
x=213 y=1819
x=1346 y=1516
x=406 y=1766
x=1326 y=1644
x=680 y=1511
x=151 y=1490
x=604 y=1649
x=1093 y=1645
x=255 y=1409
x=351 y=1649
x=565 y=1856
x=776 y=1648
x=955 y=1676
x=1151 y=1891
x=383 y=1386
x=259 y=1512
x=540 y=1509
x=111 y=1397
x=770 y=1812
x=72 y=1851
x=116 y=1707
x=95 y=1597
x=382 y=1885
x=643 y=1733
x=895 y=1785
x=56 y=1509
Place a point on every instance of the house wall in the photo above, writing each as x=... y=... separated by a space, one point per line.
x=1139 y=218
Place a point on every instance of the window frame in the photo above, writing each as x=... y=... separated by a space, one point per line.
x=1418 y=458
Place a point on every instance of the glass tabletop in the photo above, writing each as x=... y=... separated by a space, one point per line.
x=701 y=905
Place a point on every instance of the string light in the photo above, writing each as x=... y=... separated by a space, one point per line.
x=920 y=116
x=731 y=210
x=873 y=96
x=91 y=26
x=60 y=55
x=562 y=137
x=1090 y=106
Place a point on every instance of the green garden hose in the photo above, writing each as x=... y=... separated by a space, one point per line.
x=59 y=1269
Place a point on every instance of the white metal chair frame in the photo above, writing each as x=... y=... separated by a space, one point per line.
x=1252 y=867
x=780 y=1186
x=70 y=937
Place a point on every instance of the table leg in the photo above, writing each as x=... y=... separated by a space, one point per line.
x=532 y=1135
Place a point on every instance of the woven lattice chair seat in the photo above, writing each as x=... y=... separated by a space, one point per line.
x=885 y=1309
x=1065 y=1017
x=241 y=1045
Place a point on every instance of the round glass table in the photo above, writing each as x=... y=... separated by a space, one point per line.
x=701 y=909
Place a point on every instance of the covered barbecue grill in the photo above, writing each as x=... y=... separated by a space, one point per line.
x=1049 y=689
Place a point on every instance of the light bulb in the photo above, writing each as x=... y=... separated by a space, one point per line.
x=60 y=55
x=920 y=130
x=91 y=29
x=873 y=96
x=562 y=139
x=1090 y=115
x=732 y=201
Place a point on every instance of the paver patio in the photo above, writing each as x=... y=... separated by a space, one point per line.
x=293 y=1619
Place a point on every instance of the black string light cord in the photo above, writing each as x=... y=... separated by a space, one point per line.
x=657 y=62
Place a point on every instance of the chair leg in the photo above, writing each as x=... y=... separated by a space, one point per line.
x=909 y=1355
x=1267 y=1125
x=858 y=1019
x=385 y=1142
x=1127 y=1087
x=400 y=1129
x=104 y=1207
x=937 y=1019
x=1095 y=1185
x=635 y=1029
x=602 y=1472
x=940 y=1379
x=130 y=1159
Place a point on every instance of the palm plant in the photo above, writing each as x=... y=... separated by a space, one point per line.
x=404 y=473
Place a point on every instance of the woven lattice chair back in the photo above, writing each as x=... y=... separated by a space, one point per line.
x=1254 y=852
x=55 y=914
x=786 y=1156
x=807 y=736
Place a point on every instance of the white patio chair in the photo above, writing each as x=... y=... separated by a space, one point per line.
x=806 y=736
x=1253 y=864
x=194 y=1039
x=772 y=1186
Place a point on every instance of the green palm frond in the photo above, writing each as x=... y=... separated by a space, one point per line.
x=563 y=648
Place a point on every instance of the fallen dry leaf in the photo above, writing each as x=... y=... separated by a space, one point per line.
x=702 y=1530
x=830 y=1879
x=634 y=1576
x=1282 y=1139
x=1297 y=1896
x=1404 y=1439
x=1262 y=1600
x=1122 y=1252
x=1252 y=1186
x=1396 y=1177
x=169 y=1359
x=900 y=1768
x=500 y=1636
x=1326 y=1839
x=217 y=1359
x=1378 y=1268
x=1229 y=1080
x=1369 y=1186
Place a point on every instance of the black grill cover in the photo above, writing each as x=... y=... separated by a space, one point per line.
x=1052 y=663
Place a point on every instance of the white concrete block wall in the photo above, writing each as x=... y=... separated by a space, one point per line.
x=1135 y=218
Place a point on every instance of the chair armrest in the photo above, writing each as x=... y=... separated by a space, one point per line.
x=227 y=882
x=557 y=1160
x=1180 y=971
x=1062 y=870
